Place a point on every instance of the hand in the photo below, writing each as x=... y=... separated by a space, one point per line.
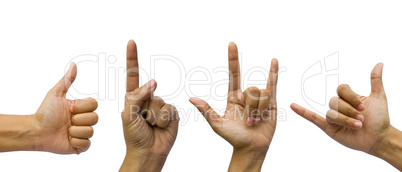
x=358 y=122
x=65 y=125
x=250 y=118
x=148 y=140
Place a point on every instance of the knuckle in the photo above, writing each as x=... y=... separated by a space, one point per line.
x=91 y=101
x=253 y=90
x=264 y=92
x=327 y=114
x=174 y=110
x=151 y=115
x=95 y=118
x=86 y=144
x=356 y=100
x=349 y=122
x=139 y=91
x=171 y=112
x=175 y=113
x=151 y=118
x=95 y=103
x=132 y=73
x=313 y=118
x=91 y=131
x=332 y=114
x=163 y=113
x=234 y=73
x=350 y=112
x=157 y=99
x=333 y=103
x=342 y=88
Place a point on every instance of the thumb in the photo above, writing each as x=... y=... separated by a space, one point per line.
x=377 y=88
x=64 y=84
x=210 y=115
x=134 y=101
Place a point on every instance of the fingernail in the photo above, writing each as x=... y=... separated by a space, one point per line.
x=250 y=121
x=70 y=68
x=360 y=107
x=257 y=120
x=151 y=84
x=194 y=99
x=358 y=124
x=360 y=117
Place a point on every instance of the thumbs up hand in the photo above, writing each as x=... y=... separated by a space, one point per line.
x=358 y=122
x=64 y=126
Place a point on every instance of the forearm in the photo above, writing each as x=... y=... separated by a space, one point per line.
x=17 y=133
x=134 y=162
x=246 y=161
x=390 y=148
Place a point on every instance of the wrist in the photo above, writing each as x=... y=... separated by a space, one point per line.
x=390 y=148
x=247 y=160
x=32 y=133
x=19 y=133
x=135 y=160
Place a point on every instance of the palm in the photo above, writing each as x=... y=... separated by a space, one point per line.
x=375 y=125
x=54 y=117
x=236 y=132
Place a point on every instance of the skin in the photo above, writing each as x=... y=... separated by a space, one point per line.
x=360 y=122
x=250 y=119
x=150 y=125
x=59 y=126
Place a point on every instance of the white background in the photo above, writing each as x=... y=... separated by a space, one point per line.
x=38 y=39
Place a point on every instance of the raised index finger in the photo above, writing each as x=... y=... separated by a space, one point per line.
x=273 y=78
x=234 y=68
x=132 y=67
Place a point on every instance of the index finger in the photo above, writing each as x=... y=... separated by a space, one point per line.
x=314 y=118
x=84 y=105
x=132 y=67
x=273 y=78
x=234 y=67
